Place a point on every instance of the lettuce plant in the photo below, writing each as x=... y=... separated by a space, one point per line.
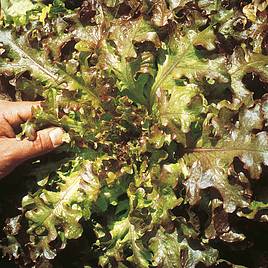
x=165 y=110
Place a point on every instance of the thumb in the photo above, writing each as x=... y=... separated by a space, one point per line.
x=13 y=152
x=46 y=140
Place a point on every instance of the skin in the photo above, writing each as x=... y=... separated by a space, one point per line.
x=13 y=152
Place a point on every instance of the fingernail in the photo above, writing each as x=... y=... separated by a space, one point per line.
x=56 y=136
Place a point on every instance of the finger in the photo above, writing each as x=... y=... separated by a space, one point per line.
x=46 y=141
x=14 y=152
x=16 y=113
x=6 y=130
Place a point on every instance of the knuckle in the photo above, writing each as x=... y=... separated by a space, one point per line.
x=42 y=143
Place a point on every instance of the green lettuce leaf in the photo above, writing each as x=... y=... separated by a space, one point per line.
x=172 y=251
x=183 y=60
x=57 y=213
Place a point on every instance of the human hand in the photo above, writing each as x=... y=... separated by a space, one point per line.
x=13 y=151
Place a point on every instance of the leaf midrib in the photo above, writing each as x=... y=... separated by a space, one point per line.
x=89 y=92
x=248 y=65
x=164 y=75
x=51 y=214
x=5 y=37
